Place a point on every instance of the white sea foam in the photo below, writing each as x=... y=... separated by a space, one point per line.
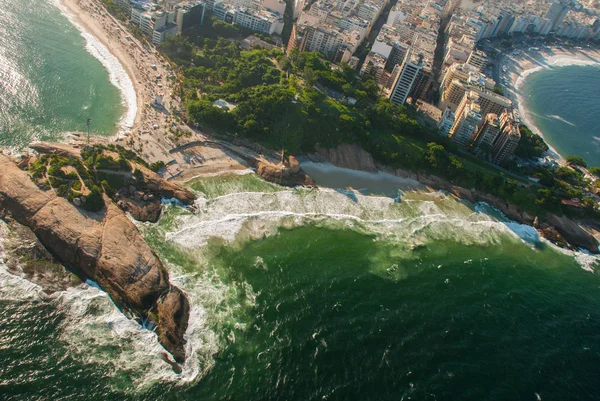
x=117 y=74
x=413 y=222
x=13 y=287
x=91 y=320
x=433 y=217
x=561 y=119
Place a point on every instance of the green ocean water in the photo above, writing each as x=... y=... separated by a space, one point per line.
x=324 y=295
x=296 y=294
x=49 y=82
x=564 y=103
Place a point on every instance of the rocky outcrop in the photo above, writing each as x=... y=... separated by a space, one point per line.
x=288 y=176
x=141 y=210
x=573 y=233
x=58 y=149
x=154 y=183
x=105 y=247
x=140 y=194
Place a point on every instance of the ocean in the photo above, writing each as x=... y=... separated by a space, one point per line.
x=50 y=83
x=385 y=292
x=564 y=103
x=324 y=294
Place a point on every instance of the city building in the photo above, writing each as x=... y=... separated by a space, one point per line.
x=446 y=122
x=259 y=20
x=374 y=65
x=189 y=15
x=508 y=139
x=489 y=131
x=477 y=59
x=405 y=77
x=335 y=43
x=556 y=14
x=467 y=120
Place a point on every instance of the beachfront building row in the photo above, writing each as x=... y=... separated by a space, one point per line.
x=179 y=17
x=493 y=19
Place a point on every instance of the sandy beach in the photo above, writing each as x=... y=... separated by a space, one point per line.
x=519 y=66
x=152 y=128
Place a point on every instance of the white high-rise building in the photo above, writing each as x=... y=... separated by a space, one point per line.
x=405 y=77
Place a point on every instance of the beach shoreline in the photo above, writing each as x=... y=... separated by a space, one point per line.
x=152 y=124
x=120 y=67
x=521 y=66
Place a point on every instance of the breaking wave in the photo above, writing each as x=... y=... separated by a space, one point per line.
x=180 y=238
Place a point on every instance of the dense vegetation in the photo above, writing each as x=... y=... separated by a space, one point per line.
x=83 y=181
x=531 y=145
x=300 y=101
x=69 y=178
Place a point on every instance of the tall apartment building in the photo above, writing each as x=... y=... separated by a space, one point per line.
x=507 y=141
x=489 y=131
x=405 y=77
x=467 y=119
x=423 y=81
x=124 y=5
x=188 y=15
x=312 y=36
x=477 y=59
x=397 y=54
x=458 y=71
x=374 y=65
x=556 y=14
x=446 y=122
x=489 y=101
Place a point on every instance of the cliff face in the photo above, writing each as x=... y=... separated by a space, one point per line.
x=557 y=229
x=105 y=247
x=346 y=155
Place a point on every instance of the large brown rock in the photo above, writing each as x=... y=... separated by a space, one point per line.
x=156 y=184
x=273 y=173
x=105 y=247
x=572 y=232
x=141 y=210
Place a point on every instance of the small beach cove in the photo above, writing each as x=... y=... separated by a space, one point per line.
x=556 y=90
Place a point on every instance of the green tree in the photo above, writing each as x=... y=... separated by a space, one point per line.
x=436 y=156
x=576 y=161
x=531 y=145
x=595 y=171
x=177 y=48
